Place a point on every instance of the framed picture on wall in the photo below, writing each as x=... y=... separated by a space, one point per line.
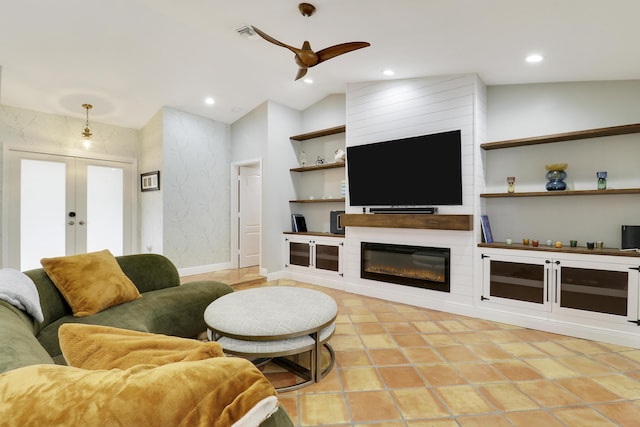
x=150 y=181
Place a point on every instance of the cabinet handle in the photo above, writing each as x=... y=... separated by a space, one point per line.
x=546 y=261
x=556 y=283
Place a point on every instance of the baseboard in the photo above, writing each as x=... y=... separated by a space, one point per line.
x=201 y=269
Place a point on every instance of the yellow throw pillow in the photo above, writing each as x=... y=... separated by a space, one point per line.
x=105 y=347
x=216 y=392
x=90 y=282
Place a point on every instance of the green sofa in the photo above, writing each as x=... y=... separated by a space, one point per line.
x=166 y=307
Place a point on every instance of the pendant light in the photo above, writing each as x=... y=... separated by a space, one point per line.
x=86 y=132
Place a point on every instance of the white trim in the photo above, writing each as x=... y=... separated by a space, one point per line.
x=201 y=269
x=233 y=221
x=74 y=153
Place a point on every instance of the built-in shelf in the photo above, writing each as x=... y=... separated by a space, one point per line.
x=563 y=249
x=340 y=200
x=434 y=222
x=566 y=136
x=319 y=133
x=318 y=167
x=565 y=193
x=314 y=233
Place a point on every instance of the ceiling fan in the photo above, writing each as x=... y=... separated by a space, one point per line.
x=305 y=57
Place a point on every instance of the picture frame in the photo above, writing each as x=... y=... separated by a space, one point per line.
x=487 y=236
x=150 y=181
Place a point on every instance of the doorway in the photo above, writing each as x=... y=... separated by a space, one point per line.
x=246 y=220
x=63 y=205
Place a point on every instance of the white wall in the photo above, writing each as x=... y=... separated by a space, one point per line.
x=517 y=111
x=195 y=187
x=277 y=185
x=150 y=202
x=264 y=134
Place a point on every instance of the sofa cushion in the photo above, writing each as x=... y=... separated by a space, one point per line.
x=105 y=347
x=212 y=392
x=90 y=282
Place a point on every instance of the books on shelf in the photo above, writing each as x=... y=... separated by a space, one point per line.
x=487 y=237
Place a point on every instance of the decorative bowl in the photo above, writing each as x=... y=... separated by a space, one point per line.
x=556 y=166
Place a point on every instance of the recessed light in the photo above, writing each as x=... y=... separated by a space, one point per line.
x=534 y=58
x=308 y=81
x=209 y=101
x=388 y=72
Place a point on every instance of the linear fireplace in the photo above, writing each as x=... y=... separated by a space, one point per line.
x=417 y=266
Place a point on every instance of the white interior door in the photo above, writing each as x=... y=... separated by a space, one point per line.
x=249 y=201
x=64 y=205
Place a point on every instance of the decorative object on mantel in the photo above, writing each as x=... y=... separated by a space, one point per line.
x=602 y=180
x=320 y=161
x=511 y=180
x=86 y=132
x=556 y=176
x=339 y=155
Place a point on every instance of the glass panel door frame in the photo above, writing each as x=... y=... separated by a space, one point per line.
x=545 y=278
x=631 y=289
x=11 y=193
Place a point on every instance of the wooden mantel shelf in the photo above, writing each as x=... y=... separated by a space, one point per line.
x=433 y=222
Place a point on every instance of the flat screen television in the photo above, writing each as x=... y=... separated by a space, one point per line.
x=420 y=171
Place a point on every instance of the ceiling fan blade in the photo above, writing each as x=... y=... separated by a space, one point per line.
x=339 y=49
x=270 y=39
x=301 y=73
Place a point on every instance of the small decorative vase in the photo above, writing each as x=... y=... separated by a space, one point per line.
x=556 y=176
x=511 y=180
x=602 y=180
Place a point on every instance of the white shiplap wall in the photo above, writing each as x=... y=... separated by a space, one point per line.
x=385 y=110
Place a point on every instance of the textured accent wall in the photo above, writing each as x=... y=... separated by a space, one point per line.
x=385 y=110
x=195 y=187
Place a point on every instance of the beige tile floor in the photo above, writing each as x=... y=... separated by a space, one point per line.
x=398 y=365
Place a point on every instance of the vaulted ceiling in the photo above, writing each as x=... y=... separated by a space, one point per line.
x=131 y=57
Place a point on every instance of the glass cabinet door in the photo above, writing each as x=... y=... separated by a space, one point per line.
x=608 y=290
x=516 y=281
x=327 y=257
x=300 y=254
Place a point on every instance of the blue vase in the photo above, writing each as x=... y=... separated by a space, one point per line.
x=556 y=181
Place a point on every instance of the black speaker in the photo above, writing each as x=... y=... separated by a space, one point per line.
x=298 y=224
x=334 y=222
x=631 y=237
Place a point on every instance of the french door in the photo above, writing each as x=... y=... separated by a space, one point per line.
x=64 y=205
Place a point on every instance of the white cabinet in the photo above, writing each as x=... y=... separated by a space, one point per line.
x=563 y=285
x=314 y=254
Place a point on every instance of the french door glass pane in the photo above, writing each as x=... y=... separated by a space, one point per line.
x=42 y=211
x=105 y=209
